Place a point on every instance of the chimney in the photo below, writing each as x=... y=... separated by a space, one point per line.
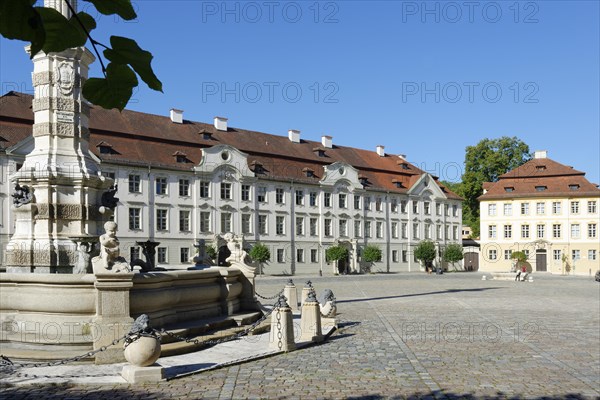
x=221 y=123
x=294 y=136
x=326 y=141
x=380 y=150
x=540 y=154
x=176 y=116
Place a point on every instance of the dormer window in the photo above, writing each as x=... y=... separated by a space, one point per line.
x=574 y=187
x=398 y=183
x=309 y=172
x=319 y=151
x=257 y=167
x=540 y=167
x=541 y=188
x=206 y=135
x=181 y=157
x=363 y=180
x=509 y=189
x=105 y=148
x=403 y=164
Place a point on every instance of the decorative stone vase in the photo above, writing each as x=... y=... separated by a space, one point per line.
x=143 y=352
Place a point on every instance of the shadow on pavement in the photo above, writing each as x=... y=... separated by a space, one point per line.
x=418 y=294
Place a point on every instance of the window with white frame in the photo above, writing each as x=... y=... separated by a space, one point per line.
x=184 y=220
x=575 y=255
x=280 y=225
x=438 y=232
x=591 y=207
x=575 y=231
x=591 y=231
x=279 y=196
x=184 y=187
x=262 y=224
x=492 y=254
x=162 y=224
x=541 y=231
x=404 y=230
x=394 y=205
x=415 y=207
x=327 y=200
x=342 y=200
x=540 y=208
x=245 y=192
x=204 y=221
x=184 y=254
x=492 y=234
x=394 y=229
x=225 y=222
x=415 y=230
x=356 y=202
x=507 y=231
x=438 y=209
x=404 y=256
x=246 y=223
x=261 y=194
x=427 y=208
x=314 y=255
x=343 y=225
x=574 y=207
x=507 y=254
x=379 y=229
x=135 y=219
x=378 y=204
x=299 y=197
x=592 y=255
x=134 y=253
x=507 y=209
x=300 y=255
x=204 y=189
x=395 y=256
x=161 y=186
x=454 y=210
x=368 y=203
x=557 y=255
x=524 y=208
x=455 y=233
x=313 y=224
x=367 y=229
x=280 y=255
x=327 y=231
x=312 y=199
x=161 y=255
x=427 y=231
x=226 y=191
x=403 y=205
x=134 y=183
x=525 y=231
x=556 y=207
x=357 y=232
x=300 y=226
x=556 y=231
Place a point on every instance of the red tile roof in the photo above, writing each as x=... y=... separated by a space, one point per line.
x=146 y=139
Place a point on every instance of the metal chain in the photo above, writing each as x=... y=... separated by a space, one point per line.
x=270 y=298
x=279 y=334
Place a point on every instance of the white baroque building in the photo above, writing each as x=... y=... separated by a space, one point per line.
x=180 y=181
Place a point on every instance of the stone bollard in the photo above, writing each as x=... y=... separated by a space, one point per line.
x=282 y=327
x=310 y=322
x=142 y=349
x=305 y=292
x=291 y=294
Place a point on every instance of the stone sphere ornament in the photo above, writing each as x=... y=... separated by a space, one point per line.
x=143 y=351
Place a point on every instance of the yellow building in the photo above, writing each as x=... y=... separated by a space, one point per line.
x=547 y=210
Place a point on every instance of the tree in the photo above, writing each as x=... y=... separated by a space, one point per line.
x=485 y=162
x=211 y=252
x=335 y=254
x=453 y=253
x=425 y=251
x=260 y=254
x=371 y=254
x=49 y=31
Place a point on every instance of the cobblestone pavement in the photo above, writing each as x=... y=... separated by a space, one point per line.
x=413 y=335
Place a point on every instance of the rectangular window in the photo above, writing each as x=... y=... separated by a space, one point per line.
x=300 y=226
x=492 y=254
x=300 y=255
x=394 y=206
x=184 y=220
x=541 y=231
x=415 y=230
x=438 y=209
x=226 y=191
x=327 y=227
x=161 y=255
x=540 y=208
x=280 y=225
x=161 y=220
x=299 y=197
x=455 y=233
x=378 y=204
x=427 y=231
x=507 y=254
x=591 y=207
x=204 y=221
x=342 y=200
x=134 y=183
x=591 y=231
x=404 y=228
x=280 y=255
x=394 y=229
x=507 y=231
x=557 y=255
x=447 y=209
x=438 y=232
x=427 y=208
x=356 y=202
x=379 y=229
x=327 y=199
x=592 y=255
x=492 y=232
x=161 y=186
x=261 y=194
x=395 y=256
x=357 y=229
x=403 y=206
x=134 y=253
x=184 y=254
x=184 y=187
x=313 y=199
x=404 y=256
x=367 y=229
x=507 y=209
x=135 y=218
x=556 y=231
x=313 y=226
x=368 y=203
x=574 y=207
x=415 y=206
x=556 y=207
x=204 y=189
x=245 y=192
x=575 y=255
x=246 y=223
x=525 y=231
x=524 y=208
x=225 y=222
x=575 y=231
x=279 y=196
x=314 y=256
x=343 y=225
x=262 y=224
x=455 y=210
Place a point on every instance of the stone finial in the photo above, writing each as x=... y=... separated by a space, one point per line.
x=309 y=284
x=290 y=282
x=312 y=297
x=281 y=302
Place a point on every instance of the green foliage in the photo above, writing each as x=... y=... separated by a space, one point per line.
x=260 y=253
x=336 y=253
x=425 y=251
x=453 y=253
x=485 y=162
x=566 y=263
x=211 y=252
x=519 y=256
x=48 y=30
x=371 y=253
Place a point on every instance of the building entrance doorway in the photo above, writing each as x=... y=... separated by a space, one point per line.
x=541 y=260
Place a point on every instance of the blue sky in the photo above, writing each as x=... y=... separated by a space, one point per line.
x=425 y=79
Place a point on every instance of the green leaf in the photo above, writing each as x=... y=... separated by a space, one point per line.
x=19 y=20
x=88 y=22
x=61 y=33
x=122 y=8
x=127 y=51
x=115 y=90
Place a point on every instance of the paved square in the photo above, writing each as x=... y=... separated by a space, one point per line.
x=405 y=335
